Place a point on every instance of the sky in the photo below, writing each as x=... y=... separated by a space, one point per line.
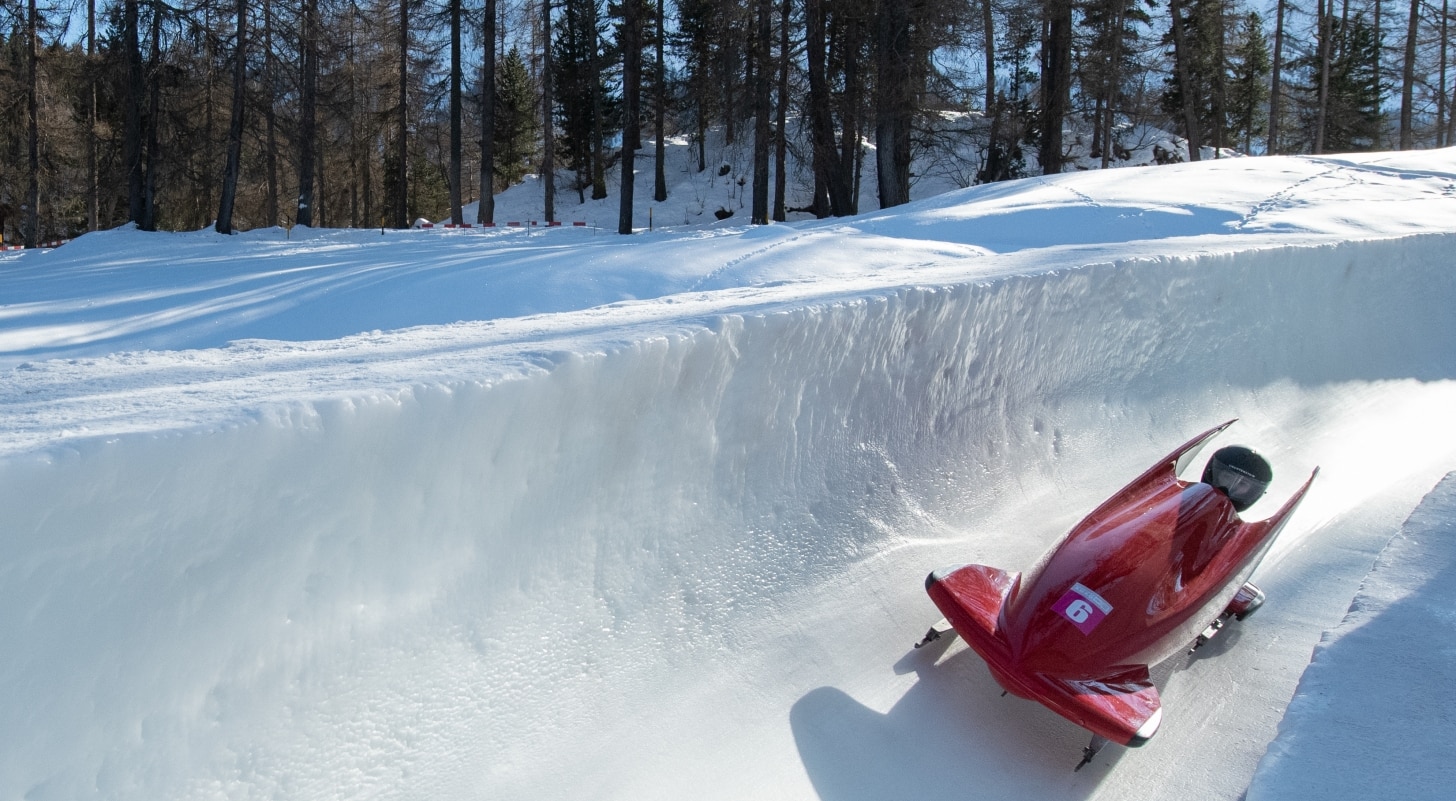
x=558 y=513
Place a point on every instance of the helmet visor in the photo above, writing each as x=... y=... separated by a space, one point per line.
x=1241 y=488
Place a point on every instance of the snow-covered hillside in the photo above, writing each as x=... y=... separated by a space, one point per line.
x=549 y=513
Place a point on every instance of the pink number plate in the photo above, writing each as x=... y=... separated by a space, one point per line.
x=1083 y=607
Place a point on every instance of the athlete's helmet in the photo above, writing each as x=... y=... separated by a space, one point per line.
x=1242 y=474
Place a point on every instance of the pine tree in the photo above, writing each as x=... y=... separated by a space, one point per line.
x=1109 y=59
x=1354 y=119
x=1195 y=92
x=584 y=104
x=697 y=42
x=516 y=123
x=1249 y=81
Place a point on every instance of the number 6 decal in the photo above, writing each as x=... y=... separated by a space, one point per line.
x=1083 y=607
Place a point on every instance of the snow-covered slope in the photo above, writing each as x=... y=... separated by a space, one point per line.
x=644 y=517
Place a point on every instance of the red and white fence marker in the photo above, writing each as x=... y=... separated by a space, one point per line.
x=54 y=243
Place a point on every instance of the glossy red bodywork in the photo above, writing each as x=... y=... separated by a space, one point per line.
x=1131 y=585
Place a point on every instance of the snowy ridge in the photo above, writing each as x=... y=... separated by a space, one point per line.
x=1117 y=314
x=674 y=547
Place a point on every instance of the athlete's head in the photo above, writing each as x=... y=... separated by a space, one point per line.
x=1242 y=474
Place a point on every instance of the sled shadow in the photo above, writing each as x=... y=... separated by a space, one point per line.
x=952 y=732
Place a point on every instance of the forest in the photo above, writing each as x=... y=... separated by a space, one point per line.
x=241 y=114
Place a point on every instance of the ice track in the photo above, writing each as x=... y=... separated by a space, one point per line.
x=683 y=558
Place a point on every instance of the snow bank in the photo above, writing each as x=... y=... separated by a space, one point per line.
x=541 y=578
x=1371 y=718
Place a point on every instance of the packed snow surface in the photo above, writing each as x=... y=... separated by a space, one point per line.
x=1373 y=691
x=553 y=513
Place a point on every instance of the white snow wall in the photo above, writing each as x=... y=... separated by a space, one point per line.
x=446 y=590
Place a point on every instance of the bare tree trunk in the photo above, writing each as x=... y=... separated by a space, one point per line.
x=202 y=194
x=821 y=126
x=1441 y=108
x=93 y=178
x=894 y=102
x=702 y=140
x=762 y=97
x=270 y=121
x=988 y=24
x=456 y=78
x=131 y=147
x=1056 y=83
x=599 y=117
x=1220 y=94
x=32 y=115
x=154 y=144
x=781 y=142
x=659 y=112
x=548 y=125
x=307 y=113
x=1408 y=79
x=830 y=177
x=631 y=108
x=1276 y=81
x=486 y=210
x=1451 y=101
x=1325 y=49
x=1376 y=52
x=401 y=167
x=1113 y=83
x=321 y=208
x=1185 y=83
x=851 y=114
x=359 y=152
x=235 y=124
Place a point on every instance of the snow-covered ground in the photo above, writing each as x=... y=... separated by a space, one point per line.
x=555 y=513
x=1373 y=693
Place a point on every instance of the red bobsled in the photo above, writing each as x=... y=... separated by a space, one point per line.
x=1158 y=567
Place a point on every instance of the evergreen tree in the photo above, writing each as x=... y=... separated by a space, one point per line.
x=516 y=123
x=1109 y=60
x=1350 y=117
x=583 y=98
x=698 y=41
x=1249 y=81
x=1194 y=93
x=1354 y=117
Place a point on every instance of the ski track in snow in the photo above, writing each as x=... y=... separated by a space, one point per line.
x=660 y=530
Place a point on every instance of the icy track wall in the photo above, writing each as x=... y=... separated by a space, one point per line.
x=455 y=589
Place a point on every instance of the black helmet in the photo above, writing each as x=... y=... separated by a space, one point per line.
x=1242 y=474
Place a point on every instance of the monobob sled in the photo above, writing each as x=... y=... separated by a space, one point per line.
x=1156 y=569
